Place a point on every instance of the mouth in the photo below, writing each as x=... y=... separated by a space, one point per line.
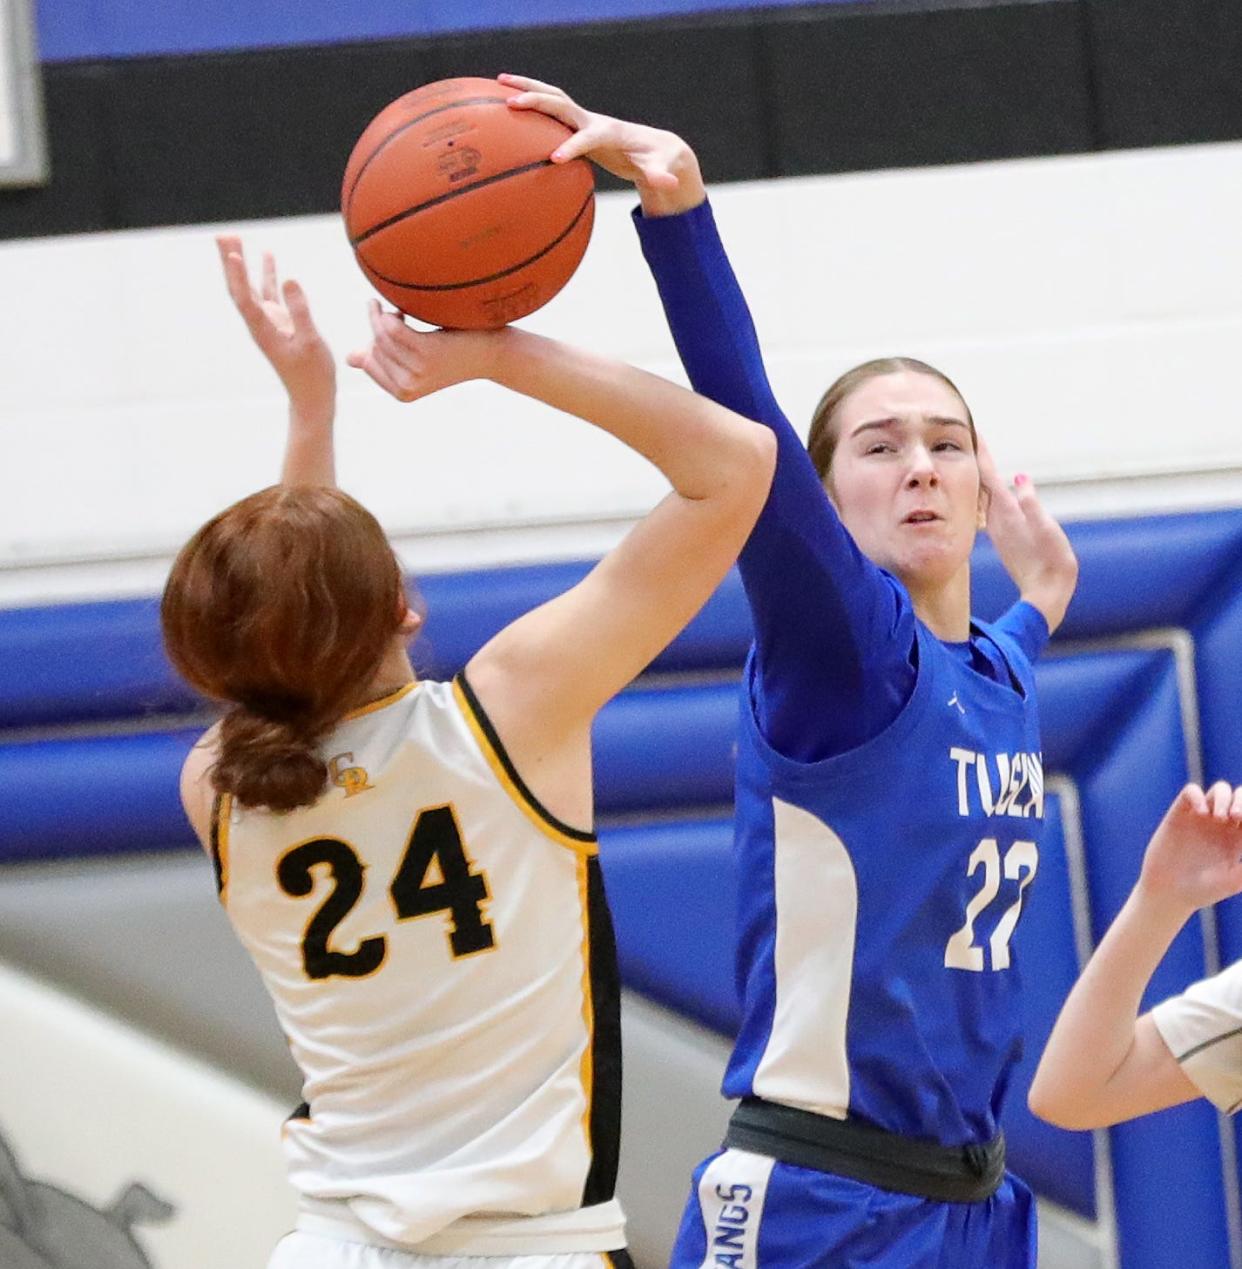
x=921 y=517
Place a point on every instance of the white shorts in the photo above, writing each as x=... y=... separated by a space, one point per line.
x=302 y=1250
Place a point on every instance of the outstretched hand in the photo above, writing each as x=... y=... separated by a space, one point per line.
x=1195 y=857
x=659 y=163
x=1031 y=544
x=279 y=320
x=409 y=364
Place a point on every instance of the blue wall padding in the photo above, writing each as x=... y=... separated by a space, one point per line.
x=673 y=892
x=1080 y=695
x=86 y=662
x=1134 y=574
x=666 y=748
x=93 y=796
x=1218 y=664
x=1058 y=1164
x=73 y=663
x=76 y=29
x=464 y=610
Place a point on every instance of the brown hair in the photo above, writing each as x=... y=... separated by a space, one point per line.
x=821 y=442
x=283 y=605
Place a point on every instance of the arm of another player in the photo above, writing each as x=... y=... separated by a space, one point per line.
x=279 y=320
x=1103 y=1064
x=817 y=602
x=562 y=661
x=1031 y=544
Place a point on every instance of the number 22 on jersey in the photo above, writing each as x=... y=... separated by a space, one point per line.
x=1021 y=861
x=434 y=876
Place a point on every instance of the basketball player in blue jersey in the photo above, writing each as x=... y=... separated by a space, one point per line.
x=412 y=865
x=1105 y=1064
x=889 y=790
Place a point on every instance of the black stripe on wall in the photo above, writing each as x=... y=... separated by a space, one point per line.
x=767 y=93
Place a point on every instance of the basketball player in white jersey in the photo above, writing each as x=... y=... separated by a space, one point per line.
x=1103 y=1063
x=412 y=864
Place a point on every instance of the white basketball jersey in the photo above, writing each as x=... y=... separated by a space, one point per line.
x=441 y=959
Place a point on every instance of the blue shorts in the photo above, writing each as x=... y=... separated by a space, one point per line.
x=747 y=1211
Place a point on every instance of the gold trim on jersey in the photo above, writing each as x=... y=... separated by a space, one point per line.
x=586 y=1068
x=581 y=843
x=382 y=703
x=221 y=814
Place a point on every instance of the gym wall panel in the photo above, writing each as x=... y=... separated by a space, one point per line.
x=85 y=1141
x=773 y=90
x=870 y=87
x=1166 y=71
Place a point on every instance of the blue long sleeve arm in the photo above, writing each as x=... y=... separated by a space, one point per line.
x=834 y=635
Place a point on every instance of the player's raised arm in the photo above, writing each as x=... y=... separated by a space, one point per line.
x=279 y=320
x=1104 y=1064
x=561 y=662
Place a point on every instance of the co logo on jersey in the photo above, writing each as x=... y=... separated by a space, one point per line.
x=346 y=776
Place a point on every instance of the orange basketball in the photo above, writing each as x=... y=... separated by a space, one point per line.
x=456 y=213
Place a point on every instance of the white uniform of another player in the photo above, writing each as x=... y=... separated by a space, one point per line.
x=1203 y=1029
x=442 y=963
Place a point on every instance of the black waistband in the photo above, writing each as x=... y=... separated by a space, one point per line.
x=951 y=1174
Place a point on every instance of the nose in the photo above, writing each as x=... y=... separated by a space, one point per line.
x=922 y=472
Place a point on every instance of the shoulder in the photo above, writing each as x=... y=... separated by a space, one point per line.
x=197 y=794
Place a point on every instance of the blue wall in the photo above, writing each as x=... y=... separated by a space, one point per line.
x=77 y=29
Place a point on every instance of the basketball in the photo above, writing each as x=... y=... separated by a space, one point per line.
x=454 y=210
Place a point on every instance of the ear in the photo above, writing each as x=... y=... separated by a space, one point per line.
x=410 y=622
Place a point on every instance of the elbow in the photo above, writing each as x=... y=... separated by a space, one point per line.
x=762 y=463
x=1060 y=1110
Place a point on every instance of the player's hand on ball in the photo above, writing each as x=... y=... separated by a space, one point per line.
x=1031 y=544
x=652 y=158
x=279 y=320
x=409 y=364
x=1195 y=856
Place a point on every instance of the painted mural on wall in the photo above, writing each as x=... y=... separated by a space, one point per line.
x=45 y=1227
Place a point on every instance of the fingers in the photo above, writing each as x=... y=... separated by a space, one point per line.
x=365 y=361
x=237 y=280
x=234 y=264
x=298 y=306
x=1219 y=800
x=1191 y=798
x=269 y=277
x=1235 y=807
x=527 y=85
x=391 y=361
x=390 y=331
x=558 y=107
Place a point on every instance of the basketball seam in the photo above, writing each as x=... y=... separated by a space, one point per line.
x=444 y=198
x=492 y=277
x=396 y=132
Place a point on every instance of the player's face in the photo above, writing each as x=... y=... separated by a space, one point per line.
x=904 y=476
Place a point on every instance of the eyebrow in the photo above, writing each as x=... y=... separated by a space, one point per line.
x=939 y=419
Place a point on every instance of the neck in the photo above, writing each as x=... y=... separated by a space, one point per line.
x=945 y=609
x=392 y=673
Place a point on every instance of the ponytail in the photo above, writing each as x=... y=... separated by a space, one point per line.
x=266 y=763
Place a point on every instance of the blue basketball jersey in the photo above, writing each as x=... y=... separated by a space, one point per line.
x=880 y=897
